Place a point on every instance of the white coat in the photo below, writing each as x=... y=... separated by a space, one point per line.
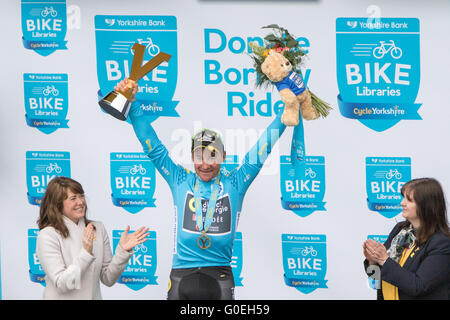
x=70 y=271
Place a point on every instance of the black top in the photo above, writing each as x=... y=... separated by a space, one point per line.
x=425 y=274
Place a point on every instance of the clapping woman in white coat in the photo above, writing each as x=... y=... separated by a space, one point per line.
x=73 y=251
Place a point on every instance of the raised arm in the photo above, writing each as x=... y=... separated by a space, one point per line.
x=152 y=146
x=254 y=159
x=146 y=135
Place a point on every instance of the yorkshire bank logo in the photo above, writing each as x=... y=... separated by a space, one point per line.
x=110 y=22
x=352 y=24
x=378 y=70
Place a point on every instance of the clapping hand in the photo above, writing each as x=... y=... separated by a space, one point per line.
x=88 y=237
x=129 y=240
x=375 y=252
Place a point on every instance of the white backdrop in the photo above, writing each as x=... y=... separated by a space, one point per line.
x=344 y=143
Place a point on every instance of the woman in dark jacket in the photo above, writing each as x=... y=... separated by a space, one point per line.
x=414 y=262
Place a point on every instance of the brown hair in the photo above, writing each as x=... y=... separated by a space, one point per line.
x=431 y=208
x=51 y=211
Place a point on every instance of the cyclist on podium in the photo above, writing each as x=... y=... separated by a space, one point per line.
x=207 y=204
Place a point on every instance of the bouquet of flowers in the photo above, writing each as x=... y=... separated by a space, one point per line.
x=283 y=42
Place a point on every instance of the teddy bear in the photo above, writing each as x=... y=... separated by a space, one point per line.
x=293 y=91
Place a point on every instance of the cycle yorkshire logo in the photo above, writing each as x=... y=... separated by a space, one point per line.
x=46 y=101
x=115 y=36
x=378 y=70
x=141 y=267
x=385 y=177
x=305 y=261
x=132 y=181
x=42 y=166
x=302 y=192
x=44 y=25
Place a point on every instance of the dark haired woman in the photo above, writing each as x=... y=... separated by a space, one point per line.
x=74 y=252
x=414 y=261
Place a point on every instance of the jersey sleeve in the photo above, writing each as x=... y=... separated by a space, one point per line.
x=254 y=159
x=153 y=147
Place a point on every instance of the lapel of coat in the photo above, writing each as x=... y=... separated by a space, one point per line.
x=413 y=256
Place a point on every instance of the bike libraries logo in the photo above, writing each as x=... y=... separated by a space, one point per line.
x=115 y=36
x=141 y=267
x=132 y=181
x=378 y=70
x=44 y=25
x=385 y=177
x=42 y=166
x=302 y=192
x=305 y=261
x=46 y=101
x=36 y=272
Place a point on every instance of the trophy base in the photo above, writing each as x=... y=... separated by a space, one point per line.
x=116 y=105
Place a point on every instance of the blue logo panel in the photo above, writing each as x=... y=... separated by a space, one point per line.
x=46 y=101
x=385 y=177
x=378 y=70
x=115 y=35
x=302 y=192
x=141 y=268
x=132 y=181
x=42 y=166
x=36 y=272
x=237 y=260
x=304 y=261
x=44 y=25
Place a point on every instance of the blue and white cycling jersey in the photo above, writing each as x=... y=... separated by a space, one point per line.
x=187 y=253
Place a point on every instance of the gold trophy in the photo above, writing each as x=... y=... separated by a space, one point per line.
x=117 y=103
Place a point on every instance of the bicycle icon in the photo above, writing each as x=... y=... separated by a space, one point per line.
x=138 y=169
x=384 y=48
x=310 y=173
x=50 y=90
x=309 y=250
x=53 y=167
x=393 y=173
x=152 y=48
x=141 y=248
x=49 y=11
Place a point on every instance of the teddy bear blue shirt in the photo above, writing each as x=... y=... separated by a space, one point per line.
x=293 y=81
